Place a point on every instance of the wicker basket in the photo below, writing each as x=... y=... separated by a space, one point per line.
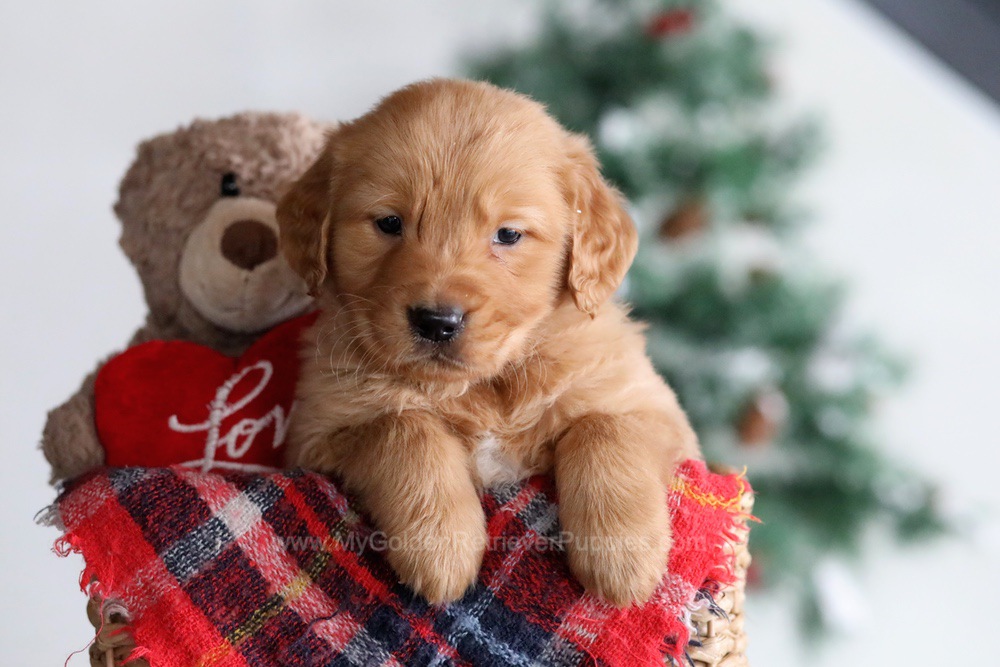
x=718 y=630
x=722 y=637
x=113 y=641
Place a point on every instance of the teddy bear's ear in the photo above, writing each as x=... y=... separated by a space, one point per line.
x=304 y=220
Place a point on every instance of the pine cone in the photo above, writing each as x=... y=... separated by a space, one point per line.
x=688 y=219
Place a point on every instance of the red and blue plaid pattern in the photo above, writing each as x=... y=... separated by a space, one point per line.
x=235 y=569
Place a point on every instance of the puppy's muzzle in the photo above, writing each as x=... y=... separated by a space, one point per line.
x=438 y=325
x=248 y=244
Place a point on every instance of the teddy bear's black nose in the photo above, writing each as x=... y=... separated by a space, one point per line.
x=436 y=324
x=248 y=243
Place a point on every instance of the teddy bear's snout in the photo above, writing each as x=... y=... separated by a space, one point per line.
x=248 y=243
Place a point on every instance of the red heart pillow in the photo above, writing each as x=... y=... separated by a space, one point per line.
x=173 y=402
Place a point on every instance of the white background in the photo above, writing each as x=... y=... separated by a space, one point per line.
x=907 y=202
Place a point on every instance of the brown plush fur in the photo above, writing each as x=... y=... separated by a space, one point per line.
x=548 y=373
x=170 y=191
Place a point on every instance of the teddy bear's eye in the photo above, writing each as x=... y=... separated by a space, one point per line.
x=229 y=188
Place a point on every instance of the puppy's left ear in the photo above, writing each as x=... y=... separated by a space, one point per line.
x=304 y=220
x=604 y=238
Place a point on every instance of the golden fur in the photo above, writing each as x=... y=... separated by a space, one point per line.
x=548 y=373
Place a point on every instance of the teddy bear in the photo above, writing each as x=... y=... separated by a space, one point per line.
x=197 y=213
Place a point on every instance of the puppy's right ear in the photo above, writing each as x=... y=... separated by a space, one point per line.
x=304 y=220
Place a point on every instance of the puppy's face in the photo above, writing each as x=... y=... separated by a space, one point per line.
x=448 y=223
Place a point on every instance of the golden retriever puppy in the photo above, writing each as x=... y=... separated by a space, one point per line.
x=464 y=249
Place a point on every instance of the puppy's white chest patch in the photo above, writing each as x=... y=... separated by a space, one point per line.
x=495 y=466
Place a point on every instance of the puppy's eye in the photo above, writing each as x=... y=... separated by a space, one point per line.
x=507 y=236
x=228 y=187
x=390 y=224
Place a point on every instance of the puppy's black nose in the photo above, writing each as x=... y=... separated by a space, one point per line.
x=248 y=243
x=436 y=324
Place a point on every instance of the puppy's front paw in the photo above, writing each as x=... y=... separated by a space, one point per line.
x=439 y=557
x=618 y=555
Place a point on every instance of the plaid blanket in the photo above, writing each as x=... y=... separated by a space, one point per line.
x=238 y=569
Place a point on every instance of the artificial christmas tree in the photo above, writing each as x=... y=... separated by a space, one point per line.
x=677 y=98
